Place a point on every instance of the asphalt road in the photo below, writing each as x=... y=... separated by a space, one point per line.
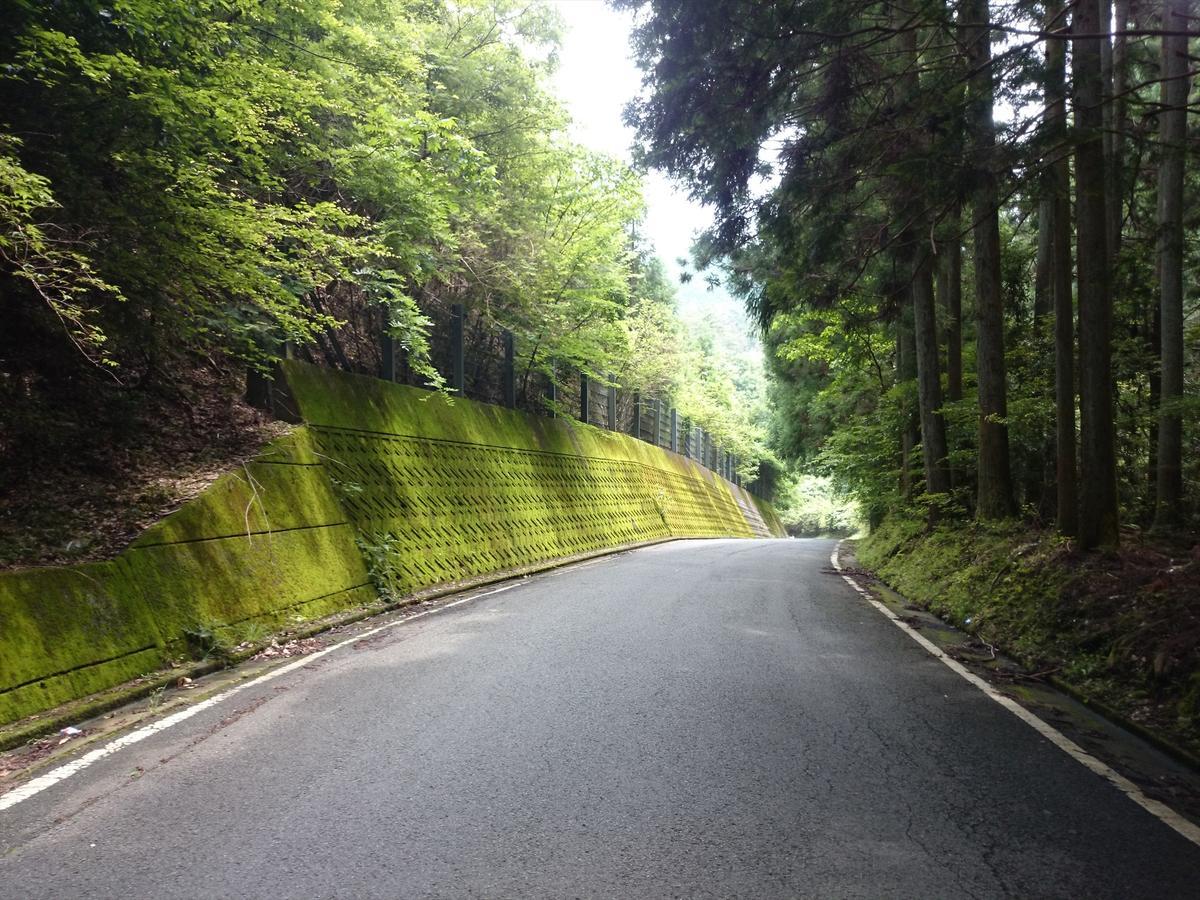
x=696 y=719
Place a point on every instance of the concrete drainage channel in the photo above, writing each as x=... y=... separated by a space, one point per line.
x=1164 y=786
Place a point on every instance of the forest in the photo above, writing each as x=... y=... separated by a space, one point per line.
x=189 y=191
x=965 y=231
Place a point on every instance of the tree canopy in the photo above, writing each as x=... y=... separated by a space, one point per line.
x=949 y=221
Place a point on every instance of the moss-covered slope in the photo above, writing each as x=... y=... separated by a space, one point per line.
x=1122 y=628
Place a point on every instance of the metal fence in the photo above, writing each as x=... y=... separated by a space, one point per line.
x=481 y=362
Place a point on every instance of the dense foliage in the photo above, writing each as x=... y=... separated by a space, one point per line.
x=208 y=183
x=967 y=230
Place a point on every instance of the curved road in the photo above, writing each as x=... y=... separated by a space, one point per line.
x=695 y=719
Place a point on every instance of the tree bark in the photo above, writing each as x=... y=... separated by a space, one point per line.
x=929 y=380
x=919 y=255
x=906 y=371
x=995 y=473
x=950 y=299
x=1119 y=125
x=1098 y=516
x=1173 y=97
x=1067 y=512
x=1106 y=112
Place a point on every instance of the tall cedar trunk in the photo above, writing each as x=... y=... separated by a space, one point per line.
x=995 y=474
x=1173 y=96
x=918 y=253
x=929 y=380
x=906 y=370
x=949 y=298
x=1119 y=127
x=1106 y=110
x=1154 y=346
x=1039 y=468
x=1098 y=516
x=1067 y=515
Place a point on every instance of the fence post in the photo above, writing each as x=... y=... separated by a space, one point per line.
x=637 y=415
x=585 y=407
x=510 y=371
x=552 y=392
x=674 y=430
x=458 y=370
x=612 y=403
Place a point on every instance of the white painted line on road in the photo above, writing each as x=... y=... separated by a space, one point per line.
x=63 y=772
x=1159 y=810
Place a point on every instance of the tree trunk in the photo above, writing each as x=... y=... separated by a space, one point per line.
x=1119 y=126
x=929 y=380
x=1098 y=516
x=906 y=371
x=950 y=299
x=1067 y=515
x=920 y=259
x=995 y=474
x=1173 y=97
x=1038 y=455
x=1106 y=111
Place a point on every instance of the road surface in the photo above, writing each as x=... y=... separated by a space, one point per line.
x=694 y=719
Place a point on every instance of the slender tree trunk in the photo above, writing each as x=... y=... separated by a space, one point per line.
x=1098 y=520
x=995 y=473
x=1039 y=455
x=1119 y=117
x=1106 y=110
x=1043 y=279
x=906 y=371
x=920 y=257
x=1154 y=348
x=1067 y=515
x=929 y=381
x=950 y=299
x=1173 y=97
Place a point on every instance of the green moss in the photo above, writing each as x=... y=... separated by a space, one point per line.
x=387 y=486
x=272 y=493
x=67 y=632
x=990 y=579
x=441 y=490
x=266 y=545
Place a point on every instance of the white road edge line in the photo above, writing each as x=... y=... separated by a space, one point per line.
x=54 y=776
x=1159 y=810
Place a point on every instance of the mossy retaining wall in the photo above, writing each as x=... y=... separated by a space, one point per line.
x=443 y=489
x=386 y=488
x=267 y=544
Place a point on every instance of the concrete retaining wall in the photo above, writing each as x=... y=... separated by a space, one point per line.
x=386 y=489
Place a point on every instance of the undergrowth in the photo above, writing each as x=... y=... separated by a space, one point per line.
x=1123 y=627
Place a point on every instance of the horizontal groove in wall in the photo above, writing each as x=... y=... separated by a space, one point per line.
x=238 y=534
x=79 y=668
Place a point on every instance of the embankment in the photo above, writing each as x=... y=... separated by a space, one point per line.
x=384 y=490
x=1120 y=629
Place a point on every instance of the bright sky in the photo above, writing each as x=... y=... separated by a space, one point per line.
x=596 y=78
